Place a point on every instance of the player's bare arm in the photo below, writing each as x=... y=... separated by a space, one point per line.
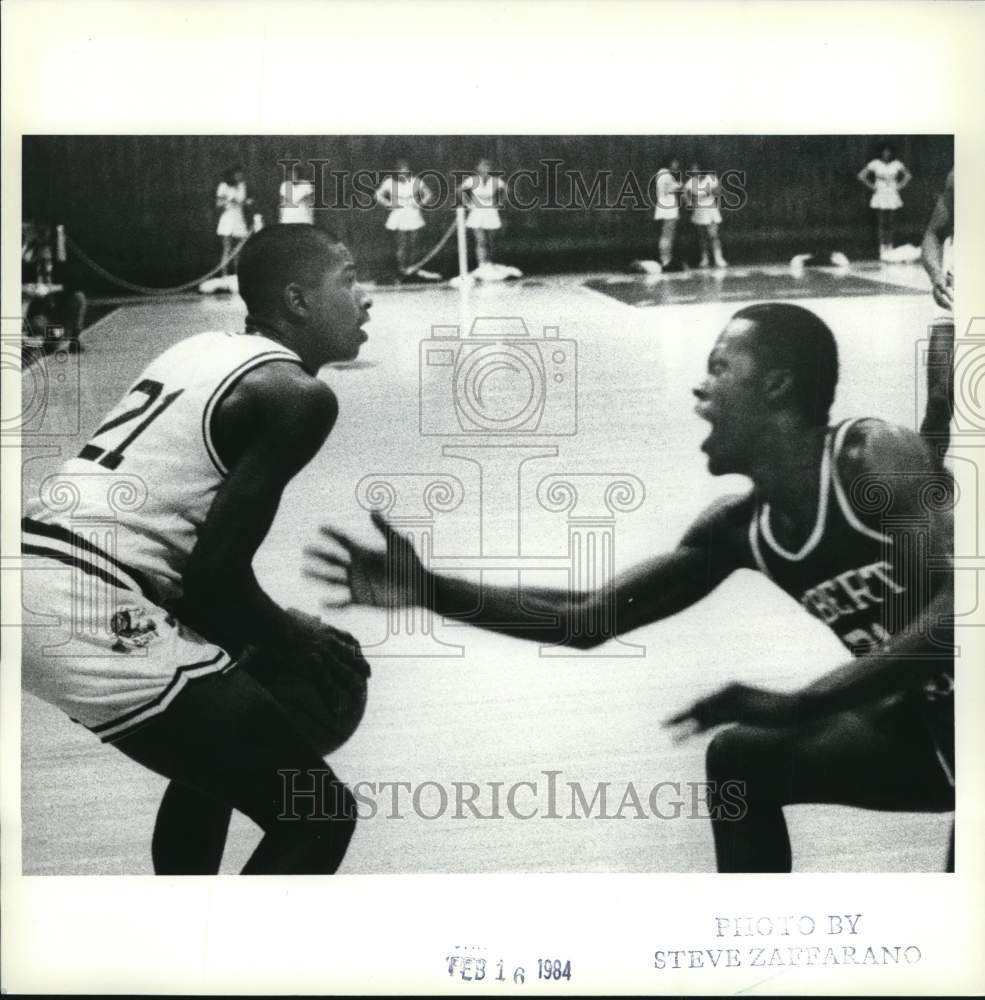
x=939 y=228
x=711 y=549
x=896 y=460
x=266 y=431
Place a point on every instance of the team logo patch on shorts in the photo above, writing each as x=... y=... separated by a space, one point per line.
x=133 y=627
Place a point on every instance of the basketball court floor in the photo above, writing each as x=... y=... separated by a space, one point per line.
x=500 y=712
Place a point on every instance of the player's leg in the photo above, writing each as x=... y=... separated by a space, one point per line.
x=884 y=224
x=400 y=248
x=190 y=832
x=879 y=758
x=666 y=244
x=227 y=738
x=936 y=425
x=411 y=251
x=238 y=245
x=705 y=247
x=716 y=245
x=481 y=255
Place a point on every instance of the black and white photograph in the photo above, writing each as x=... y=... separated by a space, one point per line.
x=505 y=508
x=517 y=483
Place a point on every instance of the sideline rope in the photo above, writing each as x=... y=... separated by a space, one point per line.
x=144 y=289
x=434 y=250
x=194 y=283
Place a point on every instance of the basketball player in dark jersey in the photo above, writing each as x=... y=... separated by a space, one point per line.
x=937 y=251
x=184 y=672
x=852 y=521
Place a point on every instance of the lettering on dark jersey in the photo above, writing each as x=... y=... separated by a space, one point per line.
x=852 y=591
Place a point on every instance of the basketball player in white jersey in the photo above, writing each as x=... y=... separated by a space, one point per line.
x=214 y=429
x=937 y=252
x=832 y=518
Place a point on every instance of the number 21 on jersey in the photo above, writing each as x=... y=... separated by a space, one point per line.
x=109 y=454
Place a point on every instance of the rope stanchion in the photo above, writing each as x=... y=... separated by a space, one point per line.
x=463 y=247
x=145 y=289
x=437 y=248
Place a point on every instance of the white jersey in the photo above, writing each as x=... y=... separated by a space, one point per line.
x=144 y=482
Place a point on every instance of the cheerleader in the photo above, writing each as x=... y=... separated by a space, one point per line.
x=404 y=194
x=885 y=177
x=481 y=194
x=667 y=209
x=297 y=198
x=701 y=194
x=231 y=200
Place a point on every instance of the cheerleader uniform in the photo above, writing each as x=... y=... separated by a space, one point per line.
x=667 y=194
x=704 y=200
x=400 y=195
x=886 y=195
x=297 y=202
x=483 y=213
x=232 y=222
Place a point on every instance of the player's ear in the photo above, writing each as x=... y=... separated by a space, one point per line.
x=294 y=300
x=778 y=385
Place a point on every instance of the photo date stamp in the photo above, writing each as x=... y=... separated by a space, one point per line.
x=788 y=941
x=471 y=964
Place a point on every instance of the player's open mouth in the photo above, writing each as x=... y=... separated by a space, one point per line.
x=703 y=410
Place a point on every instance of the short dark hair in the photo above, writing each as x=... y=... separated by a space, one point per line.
x=280 y=254
x=794 y=338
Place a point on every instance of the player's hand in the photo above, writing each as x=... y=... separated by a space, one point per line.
x=736 y=703
x=390 y=577
x=943 y=288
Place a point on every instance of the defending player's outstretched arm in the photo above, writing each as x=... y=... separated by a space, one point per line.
x=898 y=461
x=267 y=430
x=657 y=588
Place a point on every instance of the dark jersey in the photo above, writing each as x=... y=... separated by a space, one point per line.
x=858 y=574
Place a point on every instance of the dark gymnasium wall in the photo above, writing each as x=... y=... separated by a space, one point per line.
x=143 y=206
